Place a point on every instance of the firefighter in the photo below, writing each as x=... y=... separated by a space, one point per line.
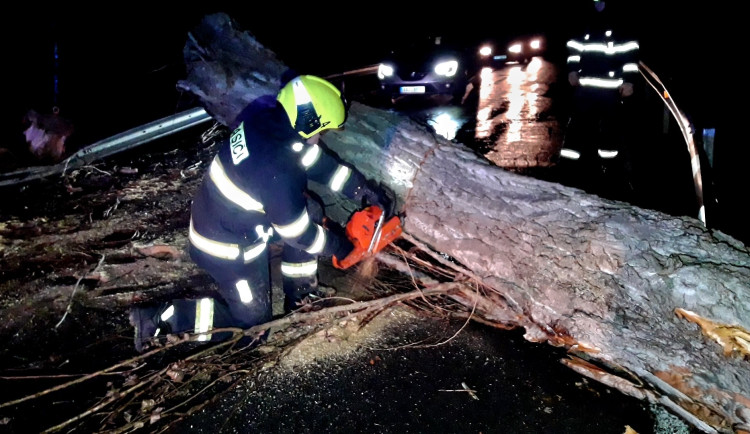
x=602 y=68
x=255 y=191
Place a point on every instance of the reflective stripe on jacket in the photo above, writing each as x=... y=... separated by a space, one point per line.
x=230 y=251
x=603 y=61
x=257 y=177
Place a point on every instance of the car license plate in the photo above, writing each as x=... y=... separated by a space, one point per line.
x=412 y=89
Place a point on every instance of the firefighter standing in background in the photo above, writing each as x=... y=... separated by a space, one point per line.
x=256 y=189
x=602 y=68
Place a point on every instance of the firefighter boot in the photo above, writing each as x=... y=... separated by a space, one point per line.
x=149 y=322
x=306 y=296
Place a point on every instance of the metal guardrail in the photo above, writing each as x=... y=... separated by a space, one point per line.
x=685 y=128
x=131 y=139
x=372 y=69
x=110 y=146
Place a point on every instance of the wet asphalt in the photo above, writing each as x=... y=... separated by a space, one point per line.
x=431 y=375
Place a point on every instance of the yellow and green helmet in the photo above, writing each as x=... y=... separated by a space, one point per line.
x=312 y=104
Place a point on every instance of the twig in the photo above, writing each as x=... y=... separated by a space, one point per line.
x=122 y=408
x=140 y=384
x=443 y=271
x=471 y=392
x=229 y=342
x=255 y=330
x=97 y=169
x=99 y=406
x=204 y=389
x=418 y=345
x=466 y=389
x=428 y=250
x=471 y=314
x=322 y=300
x=460 y=270
x=361 y=305
x=37 y=377
x=358 y=307
x=112 y=209
x=198 y=407
x=101 y=372
x=75 y=288
x=411 y=275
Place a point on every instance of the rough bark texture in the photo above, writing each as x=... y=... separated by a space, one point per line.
x=654 y=305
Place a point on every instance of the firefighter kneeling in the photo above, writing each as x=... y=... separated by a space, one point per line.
x=255 y=191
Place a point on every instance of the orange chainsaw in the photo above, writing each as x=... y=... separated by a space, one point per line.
x=369 y=234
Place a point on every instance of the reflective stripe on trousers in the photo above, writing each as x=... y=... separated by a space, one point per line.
x=204 y=318
x=302 y=269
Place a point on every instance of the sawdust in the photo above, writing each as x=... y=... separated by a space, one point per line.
x=344 y=338
x=368 y=268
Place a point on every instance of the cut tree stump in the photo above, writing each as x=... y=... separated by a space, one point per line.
x=653 y=305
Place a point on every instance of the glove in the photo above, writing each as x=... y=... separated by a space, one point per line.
x=626 y=89
x=573 y=78
x=334 y=227
x=375 y=194
x=315 y=208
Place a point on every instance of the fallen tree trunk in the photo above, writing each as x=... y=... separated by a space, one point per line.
x=653 y=305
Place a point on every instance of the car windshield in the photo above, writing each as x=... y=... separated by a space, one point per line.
x=424 y=47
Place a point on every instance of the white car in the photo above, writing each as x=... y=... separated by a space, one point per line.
x=430 y=68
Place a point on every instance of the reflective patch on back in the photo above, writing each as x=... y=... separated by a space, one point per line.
x=238 y=144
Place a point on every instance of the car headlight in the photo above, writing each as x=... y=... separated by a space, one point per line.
x=535 y=44
x=384 y=70
x=515 y=48
x=485 y=50
x=447 y=68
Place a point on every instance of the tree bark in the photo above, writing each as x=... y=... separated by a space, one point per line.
x=653 y=305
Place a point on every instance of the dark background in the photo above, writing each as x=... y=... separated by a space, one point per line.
x=117 y=64
x=112 y=67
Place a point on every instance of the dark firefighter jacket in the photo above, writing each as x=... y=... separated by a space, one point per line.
x=603 y=56
x=255 y=186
